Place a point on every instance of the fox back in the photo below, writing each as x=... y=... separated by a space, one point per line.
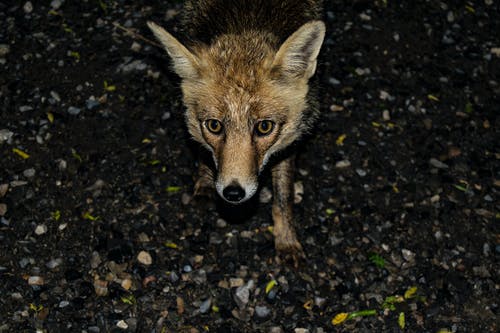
x=245 y=71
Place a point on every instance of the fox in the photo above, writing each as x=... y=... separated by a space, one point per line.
x=245 y=68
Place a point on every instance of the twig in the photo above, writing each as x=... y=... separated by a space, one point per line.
x=134 y=34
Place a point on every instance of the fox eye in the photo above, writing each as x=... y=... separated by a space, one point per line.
x=264 y=127
x=214 y=126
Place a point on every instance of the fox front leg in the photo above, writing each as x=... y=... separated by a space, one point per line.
x=285 y=238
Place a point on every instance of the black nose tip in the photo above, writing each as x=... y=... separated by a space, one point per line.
x=233 y=193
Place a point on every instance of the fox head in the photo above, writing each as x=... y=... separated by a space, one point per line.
x=246 y=98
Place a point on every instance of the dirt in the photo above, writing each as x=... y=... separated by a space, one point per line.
x=400 y=180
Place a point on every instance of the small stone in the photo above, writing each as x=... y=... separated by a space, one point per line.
x=29 y=173
x=236 y=282
x=488 y=198
x=126 y=284
x=36 y=281
x=5 y=135
x=54 y=263
x=361 y=172
x=336 y=108
x=173 y=277
x=41 y=229
x=95 y=260
x=4 y=50
x=220 y=223
x=301 y=330
x=25 y=108
x=63 y=304
x=262 y=312
x=91 y=103
x=144 y=258
x=435 y=198
x=408 y=255
x=55 y=96
x=343 y=164
x=56 y=4
x=62 y=165
x=276 y=329
x=386 y=115
x=28 y=7
x=333 y=81
x=187 y=269
x=3 y=209
x=101 y=287
x=319 y=301
x=136 y=47
x=450 y=17
x=72 y=110
x=122 y=324
x=242 y=295
x=437 y=163
x=205 y=305
x=481 y=271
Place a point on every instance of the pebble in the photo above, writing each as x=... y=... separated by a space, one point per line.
x=95 y=260
x=3 y=209
x=408 y=255
x=301 y=330
x=24 y=108
x=386 y=115
x=262 y=311
x=173 y=277
x=144 y=258
x=276 y=329
x=333 y=81
x=63 y=304
x=41 y=229
x=343 y=164
x=437 y=163
x=136 y=47
x=236 y=282
x=361 y=172
x=242 y=295
x=319 y=301
x=56 y=4
x=55 y=96
x=4 y=50
x=91 y=103
x=126 y=284
x=220 y=223
x=28 y=7
x=5 y=135
x=187 y=269
x=205 y=305
x=36 y=281
x=72 y=110
x=122 y=324
x=29 y=173
x=54 y=263
x=101 y=287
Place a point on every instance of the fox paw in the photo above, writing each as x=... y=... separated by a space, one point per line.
x=289 y=250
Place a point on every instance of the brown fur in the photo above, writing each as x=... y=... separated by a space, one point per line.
x=245 y=62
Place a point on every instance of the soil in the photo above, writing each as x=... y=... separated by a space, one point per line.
x=398 y=183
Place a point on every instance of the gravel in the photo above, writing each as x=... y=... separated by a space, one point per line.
x=99 y=231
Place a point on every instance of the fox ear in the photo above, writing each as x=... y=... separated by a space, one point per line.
x=184 y=62
x=296 y=57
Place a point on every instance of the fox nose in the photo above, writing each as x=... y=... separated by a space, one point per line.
x=234 y=193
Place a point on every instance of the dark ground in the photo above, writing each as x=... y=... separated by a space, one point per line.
x=413 y=201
